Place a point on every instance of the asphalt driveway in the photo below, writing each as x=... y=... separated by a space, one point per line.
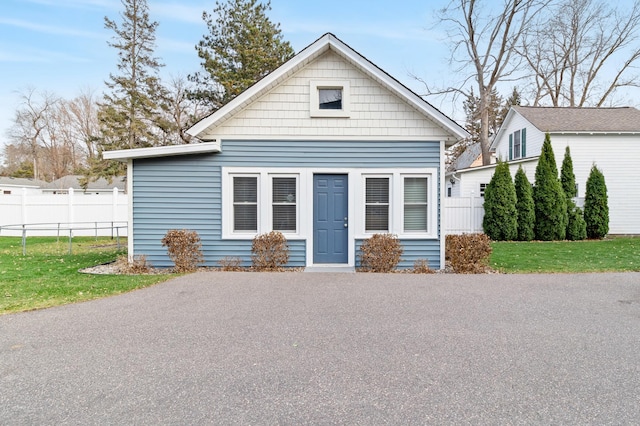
x=296 y=348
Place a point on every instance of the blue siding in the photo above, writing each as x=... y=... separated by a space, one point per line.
x=183 y=192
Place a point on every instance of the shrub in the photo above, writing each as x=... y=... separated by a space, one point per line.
x=596 y=205
x=421 y=266
x=525 y=209
x=468 y=253
x=500 y=220
x=380 y=253
x=138 y=265
x=270 y=252
x=184 y=249
x=577 y=227
x=548 y=197
x=230 y=264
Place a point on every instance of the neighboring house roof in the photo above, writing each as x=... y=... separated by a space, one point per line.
x=320 y=46
x=73 y=181
x=547 y=119
x=21 y=182
x=468 y=157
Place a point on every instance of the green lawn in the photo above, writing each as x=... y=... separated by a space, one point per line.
x=615 y=254
x=48 y=276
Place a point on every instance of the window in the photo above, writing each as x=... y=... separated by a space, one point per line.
x=518 y=144
x=415 y=204
x=245 y=204
x=483 y=187
x=376 y=204
x=329 y=98
x=284 y=206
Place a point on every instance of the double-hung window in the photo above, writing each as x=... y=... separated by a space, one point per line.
x=284 y=204
x=518 y=144
x=259 y=202
x=376 y=215
x=416 y=214
x=245 y=204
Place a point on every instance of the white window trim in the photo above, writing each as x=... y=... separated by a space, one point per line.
x=265 y=205
x=396 y=201
x=314 y=98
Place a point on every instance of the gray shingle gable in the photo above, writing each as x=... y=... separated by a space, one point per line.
x=568 y=119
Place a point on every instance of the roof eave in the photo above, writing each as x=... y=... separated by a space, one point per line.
x=163 y=151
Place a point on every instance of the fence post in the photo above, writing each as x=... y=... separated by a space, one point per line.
x=24 y=240
x=23 y=206
x=70 y=212
x=114 y=211
x=472 y=220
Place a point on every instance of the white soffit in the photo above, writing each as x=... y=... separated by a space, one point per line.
x=163 y=151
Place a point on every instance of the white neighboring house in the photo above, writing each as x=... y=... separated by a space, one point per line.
x=607 y=137
x=100 y=186
x=14 y=186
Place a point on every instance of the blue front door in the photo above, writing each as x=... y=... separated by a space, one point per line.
x=330 y=213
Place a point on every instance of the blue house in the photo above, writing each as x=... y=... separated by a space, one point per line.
x=328 y=149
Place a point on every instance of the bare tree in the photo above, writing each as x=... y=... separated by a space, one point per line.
x=582 y=52
x=183 y=110
x=483 y=42
x=30 y=124
x=83 y=115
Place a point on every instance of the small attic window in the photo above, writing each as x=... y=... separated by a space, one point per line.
x=329 y=98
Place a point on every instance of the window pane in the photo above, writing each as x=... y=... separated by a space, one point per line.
x=377 y=190
x=245 y=189
x=415 y=190
x=284 y=218
x=376 y=218
x=284 y=190
x=415 y=217
x=245 y=217
x=330 y=98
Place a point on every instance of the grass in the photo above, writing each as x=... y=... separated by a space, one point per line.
x=620 y=254
x=48 y=276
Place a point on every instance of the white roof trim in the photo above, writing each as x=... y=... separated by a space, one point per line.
x=324 y=43
x=162 y=151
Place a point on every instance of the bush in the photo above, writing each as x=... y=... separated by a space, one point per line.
x=421 y=266
x=468 y=253
x=138 y=265
x=596 y=205
x=577 y=227
x=380 y=253
x=548 y=197
x=230 y=264
x=270 y=252
x=524 y=207
x=500 y=219
x=184 y=249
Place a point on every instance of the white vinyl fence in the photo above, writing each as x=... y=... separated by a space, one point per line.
x=55 y=214
x=462 y=215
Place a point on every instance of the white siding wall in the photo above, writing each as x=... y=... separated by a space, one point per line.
x=285 y=110
x=535 y=138
x=617 y=157
x=471 y=180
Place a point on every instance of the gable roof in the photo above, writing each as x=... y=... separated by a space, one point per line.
x=325 y=43
x=468 y=157
x=21 y=182
x=73 y=181
x=589 y=120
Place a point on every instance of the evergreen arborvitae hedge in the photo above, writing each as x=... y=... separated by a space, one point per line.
x=548 y=197
x=576 y=226
x=596 y=205
x=500 y=220
x=524 y=207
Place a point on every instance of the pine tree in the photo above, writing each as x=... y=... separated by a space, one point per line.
x=567 y=177
x=576 y=226
x=131 y=114
x=596 y=205
x=548 y=197
x=242 y=47
x=524 y=206
x=500 y=219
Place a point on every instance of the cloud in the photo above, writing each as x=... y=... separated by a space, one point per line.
x=78 y=4
x=177 y=12
x=21 y=54
x=49 y=29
